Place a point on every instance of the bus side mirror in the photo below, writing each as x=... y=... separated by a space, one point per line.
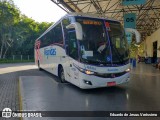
x=78 y=28
x=134 y=31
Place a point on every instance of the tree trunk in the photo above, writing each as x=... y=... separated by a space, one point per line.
x=4 y=55
x=6 y=50
x=1 y=52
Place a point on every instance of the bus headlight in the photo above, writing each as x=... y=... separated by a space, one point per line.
x=128 y=70
x=88 y=72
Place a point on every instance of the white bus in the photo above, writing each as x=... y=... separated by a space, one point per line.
x=86 y=50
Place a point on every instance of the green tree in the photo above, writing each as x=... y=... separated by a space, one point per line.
x=17 y=32
x=9 y=16
x=28 y=30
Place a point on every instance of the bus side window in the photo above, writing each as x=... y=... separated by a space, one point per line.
x=72 y=44
x=65 y=22
x=45 y=40
x=58 y=36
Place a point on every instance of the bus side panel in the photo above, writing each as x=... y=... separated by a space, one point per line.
x=58 y=58
x=73 y=71
x=52 y=56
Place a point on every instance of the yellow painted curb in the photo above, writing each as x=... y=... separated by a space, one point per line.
x=20 y=98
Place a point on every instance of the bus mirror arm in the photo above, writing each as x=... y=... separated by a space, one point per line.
x=78 y=29
x=134 y=31
x=67 y=49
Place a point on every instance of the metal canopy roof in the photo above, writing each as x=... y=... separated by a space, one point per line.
x=147 y=15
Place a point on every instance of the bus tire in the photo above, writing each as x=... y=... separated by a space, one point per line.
x=39 y=68
x=61 y=75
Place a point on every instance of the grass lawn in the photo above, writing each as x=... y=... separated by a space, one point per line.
x=14 y=61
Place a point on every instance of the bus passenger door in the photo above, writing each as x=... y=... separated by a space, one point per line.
x=72 y=51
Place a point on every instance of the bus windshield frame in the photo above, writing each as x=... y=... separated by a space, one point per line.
x=104 y=42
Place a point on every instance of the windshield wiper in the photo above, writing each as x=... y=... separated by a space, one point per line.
x=93 y=62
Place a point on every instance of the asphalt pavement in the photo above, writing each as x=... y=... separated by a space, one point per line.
x=141 y=94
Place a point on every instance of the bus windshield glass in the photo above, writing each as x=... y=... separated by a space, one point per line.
x=96 y=46
x=118 y=43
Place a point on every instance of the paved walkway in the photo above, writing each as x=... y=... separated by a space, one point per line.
x=9 y=76
x=142 y=93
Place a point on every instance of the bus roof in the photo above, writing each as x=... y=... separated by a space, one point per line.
x=80 y=15
x=98 y=16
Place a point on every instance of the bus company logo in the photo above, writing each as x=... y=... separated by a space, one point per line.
x=113 y=75
x=112 y=70
x=90 y=67
x=6 y=113
x=50 y=52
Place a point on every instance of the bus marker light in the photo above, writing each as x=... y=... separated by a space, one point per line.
x=87 y=82
x=111 y=83
x=108 y=26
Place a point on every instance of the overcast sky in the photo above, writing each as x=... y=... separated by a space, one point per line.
x=40 y=10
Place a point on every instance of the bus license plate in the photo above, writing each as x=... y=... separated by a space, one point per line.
x=111 y=83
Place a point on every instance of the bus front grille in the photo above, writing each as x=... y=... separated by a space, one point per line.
x=110 y=75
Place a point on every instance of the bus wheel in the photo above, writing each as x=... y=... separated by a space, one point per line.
x=39 y=68
x=61 y=75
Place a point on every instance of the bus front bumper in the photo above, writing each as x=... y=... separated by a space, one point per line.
x=91 y=81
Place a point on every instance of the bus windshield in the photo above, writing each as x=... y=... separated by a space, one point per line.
x=101 y=45
x=118 y=43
